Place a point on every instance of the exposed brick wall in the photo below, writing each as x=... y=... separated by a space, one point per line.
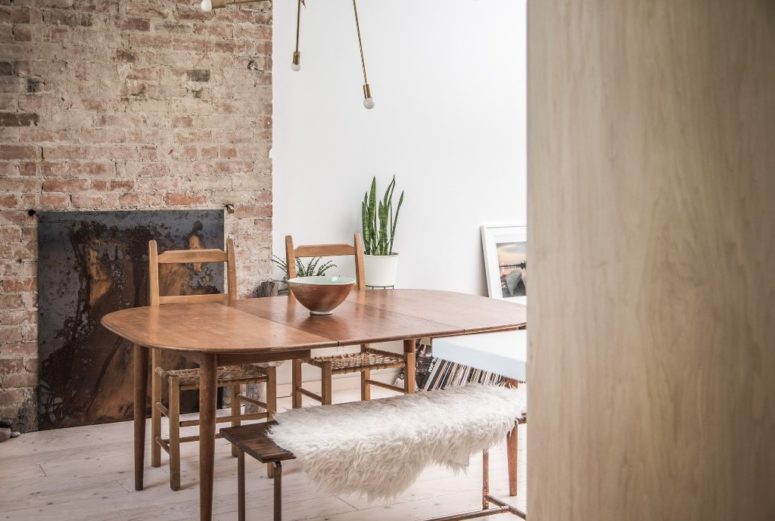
x=130 y=104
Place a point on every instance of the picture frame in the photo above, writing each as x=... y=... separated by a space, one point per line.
x=505 y=261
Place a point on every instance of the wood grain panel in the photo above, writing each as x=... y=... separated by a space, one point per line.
x=652 y=305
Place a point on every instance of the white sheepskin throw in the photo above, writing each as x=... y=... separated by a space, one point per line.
x=379 y=448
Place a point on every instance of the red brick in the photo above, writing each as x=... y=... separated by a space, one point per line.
x=135 y=24
x=64 y=185
x=28 y=169
x=54 y=201
x=20 y=380
x=128 y=200
x=122 y=185
x=13 y=217
x=50 y=169
x=90 y=168
x=209 y=152
x=18 y=119
x=14 y=15
x=175 y=199
x=17 y=152
x=8 y=201
x=13 y=397
x=89 y=201
x=19 y=350
x=69 y=18
x=18 y=184
x=17 y=285
x=22 y=33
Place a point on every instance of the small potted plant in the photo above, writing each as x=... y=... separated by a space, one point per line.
x=313 y=268
x=379 y=231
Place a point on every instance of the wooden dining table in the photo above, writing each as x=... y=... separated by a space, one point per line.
x=279 y=328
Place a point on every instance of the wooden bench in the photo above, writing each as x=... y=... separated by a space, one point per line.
x=253 y=440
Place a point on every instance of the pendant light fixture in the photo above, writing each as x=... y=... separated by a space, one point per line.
x=296 y=62
x=368 y=100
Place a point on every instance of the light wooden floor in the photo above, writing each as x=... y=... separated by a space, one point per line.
x=85 y=474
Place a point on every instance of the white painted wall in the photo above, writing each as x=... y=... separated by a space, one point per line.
x=448 y=78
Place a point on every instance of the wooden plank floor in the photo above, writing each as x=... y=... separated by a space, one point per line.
x=85 y=474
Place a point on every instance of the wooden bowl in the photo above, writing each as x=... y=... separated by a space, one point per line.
x=321 y=295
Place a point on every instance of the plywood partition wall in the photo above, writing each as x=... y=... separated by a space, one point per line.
x=652 y=250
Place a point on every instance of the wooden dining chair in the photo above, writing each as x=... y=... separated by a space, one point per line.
x=364 y=361
x=233 y=377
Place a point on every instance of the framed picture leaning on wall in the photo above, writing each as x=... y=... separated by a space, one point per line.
x=505 y=261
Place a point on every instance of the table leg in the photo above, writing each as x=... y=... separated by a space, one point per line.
x=140 y=357
x=207 y=401
x=410 y=348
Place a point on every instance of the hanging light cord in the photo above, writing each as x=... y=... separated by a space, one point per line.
x=298 y=23
x=360 y=44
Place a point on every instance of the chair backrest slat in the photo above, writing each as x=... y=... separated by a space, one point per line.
x=202 y=256
x=327 y=250
x=324 y=250
x=192 y=256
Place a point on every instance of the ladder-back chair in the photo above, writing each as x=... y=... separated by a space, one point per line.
x=363 y=361
x=179 y=380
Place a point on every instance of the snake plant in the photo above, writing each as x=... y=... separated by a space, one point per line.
x=379 y=220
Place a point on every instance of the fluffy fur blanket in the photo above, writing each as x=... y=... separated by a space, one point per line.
x=378 y=448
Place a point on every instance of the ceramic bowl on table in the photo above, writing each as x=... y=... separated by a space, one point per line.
x=321 y=295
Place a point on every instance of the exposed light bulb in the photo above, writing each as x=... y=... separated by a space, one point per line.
x=206 y=5
x=296 y=62
x=368 y=101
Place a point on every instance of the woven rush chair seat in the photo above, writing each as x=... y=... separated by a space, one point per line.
x=355 y=362
x=233 y=374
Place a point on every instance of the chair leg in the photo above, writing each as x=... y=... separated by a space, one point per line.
x=240 y=485
x=278 y=491
x=326 y=381
x=296 y=384
x=174 y=421
x=156 y=384
x=512 y=445
x=236 y=410
x=365 y=386
x=410 y=347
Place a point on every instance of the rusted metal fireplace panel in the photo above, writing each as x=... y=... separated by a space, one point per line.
x=92 y=263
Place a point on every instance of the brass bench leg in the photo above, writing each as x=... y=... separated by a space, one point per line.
x=485 y=479
x=278 y=489
x=240 y=485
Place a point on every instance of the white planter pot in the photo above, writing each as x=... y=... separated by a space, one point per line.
x=381 y=270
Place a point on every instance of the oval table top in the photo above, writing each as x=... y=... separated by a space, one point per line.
x=278 y=324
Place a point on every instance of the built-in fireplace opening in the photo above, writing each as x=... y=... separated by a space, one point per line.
x=92 y=263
